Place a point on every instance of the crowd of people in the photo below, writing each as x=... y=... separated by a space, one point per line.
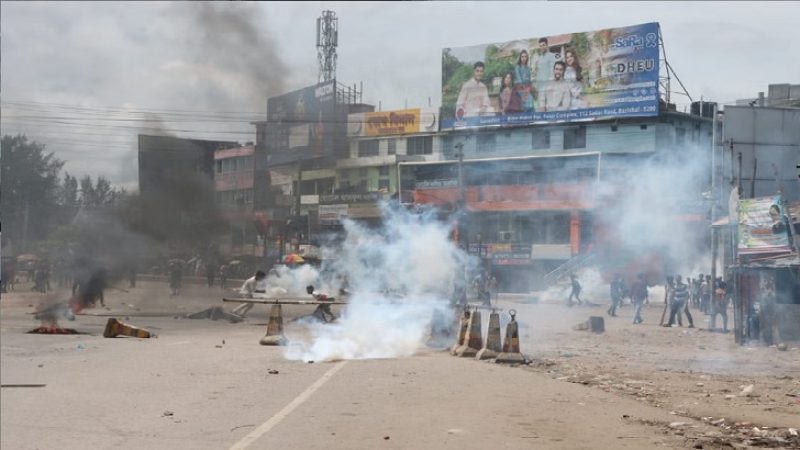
x=703 y=294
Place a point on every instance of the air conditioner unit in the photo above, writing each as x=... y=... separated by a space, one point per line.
x=504 y=236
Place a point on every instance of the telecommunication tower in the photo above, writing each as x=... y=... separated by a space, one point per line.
x=327 y=40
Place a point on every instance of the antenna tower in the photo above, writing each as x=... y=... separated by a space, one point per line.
x=327 y=40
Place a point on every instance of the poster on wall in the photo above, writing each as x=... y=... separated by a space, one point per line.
x=569 y=77
x=763 y=226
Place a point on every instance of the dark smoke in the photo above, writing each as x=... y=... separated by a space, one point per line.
x=231 y=39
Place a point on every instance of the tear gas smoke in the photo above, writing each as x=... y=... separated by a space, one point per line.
x=657 y=207
x=399 y=276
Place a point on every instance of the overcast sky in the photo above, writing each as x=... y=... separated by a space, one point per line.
x=85 y=78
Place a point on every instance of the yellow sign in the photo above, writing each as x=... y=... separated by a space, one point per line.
x=386 y=123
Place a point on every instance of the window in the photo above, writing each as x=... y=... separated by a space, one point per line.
x=362 y=186
x=219 y=166
x=643 y=127
x=368 y=148
x=540 y=139
x=383 y=185
x=487 y=142
x=383 y=171
x=392 y=146
x=362 y=172
x=614 y=128
x=575 y=137
x=422 y=145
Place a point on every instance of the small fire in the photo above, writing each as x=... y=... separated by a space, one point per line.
x=53 y=330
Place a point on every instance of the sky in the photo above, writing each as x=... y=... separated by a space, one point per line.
x=85 y=78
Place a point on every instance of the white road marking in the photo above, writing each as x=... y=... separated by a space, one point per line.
x=180 y=343
x=282 y=414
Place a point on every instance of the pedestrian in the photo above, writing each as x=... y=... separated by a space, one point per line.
x=616 y=294
x=668 y=286
x=223 y=275
x=211 y=272
x=720 y=305
x=679 y=302
x=132 y=275
x=705 y=291
x=175 y=277
x=576 y=290
x=638 y=296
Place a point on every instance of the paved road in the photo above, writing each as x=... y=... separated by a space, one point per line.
x=206 y=385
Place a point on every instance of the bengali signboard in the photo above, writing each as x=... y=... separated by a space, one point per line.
x=763 y=226
x=387 y=123
x=570 y=77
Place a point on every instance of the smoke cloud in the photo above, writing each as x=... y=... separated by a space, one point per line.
x=399 y=276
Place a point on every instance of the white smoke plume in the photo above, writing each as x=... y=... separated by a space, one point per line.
x=399 y=277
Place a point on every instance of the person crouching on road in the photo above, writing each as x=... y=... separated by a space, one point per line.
x=253 y=285
x=322 y=311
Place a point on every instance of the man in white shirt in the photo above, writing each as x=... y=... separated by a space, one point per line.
x=473 y=99
x=542 y=62
x=556 y=95
x=253 y=285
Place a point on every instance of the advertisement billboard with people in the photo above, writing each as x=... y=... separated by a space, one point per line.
x=570 y=77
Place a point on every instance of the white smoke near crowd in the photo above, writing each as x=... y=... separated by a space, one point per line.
x=656 y=211
x=398 y=276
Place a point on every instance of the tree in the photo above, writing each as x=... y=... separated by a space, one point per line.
x=99 y=194
x=30 y=188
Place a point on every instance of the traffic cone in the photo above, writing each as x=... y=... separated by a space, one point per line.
x=473 y=341
x=274 y=334
x=493 y=346
x=511 y=353
x=462 y=331
x=441 y=329
x=116 y=328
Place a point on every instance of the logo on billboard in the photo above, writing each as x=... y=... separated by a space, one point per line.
x=570 y=77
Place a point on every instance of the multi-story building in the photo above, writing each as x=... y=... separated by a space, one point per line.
x=176 y=182
x=295 y=158
x=233 y=183
x=368 y=173
x=531 y=193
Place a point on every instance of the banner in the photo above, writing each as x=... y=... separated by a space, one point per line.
x=763 y=226
x=570 y=77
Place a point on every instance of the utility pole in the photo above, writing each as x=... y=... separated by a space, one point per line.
x=461 y=277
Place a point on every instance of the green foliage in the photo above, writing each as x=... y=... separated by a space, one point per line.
x=580 y=43
x=30 y=187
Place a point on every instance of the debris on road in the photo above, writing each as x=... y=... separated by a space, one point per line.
x=215 y=313
x=115 y=327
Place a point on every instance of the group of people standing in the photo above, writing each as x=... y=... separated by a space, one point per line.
x=710 y=297
x=541 y=81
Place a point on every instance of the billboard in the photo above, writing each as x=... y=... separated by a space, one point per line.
x=391 y=122
x=303 y=121
x=570 y=77
x=763 y=226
